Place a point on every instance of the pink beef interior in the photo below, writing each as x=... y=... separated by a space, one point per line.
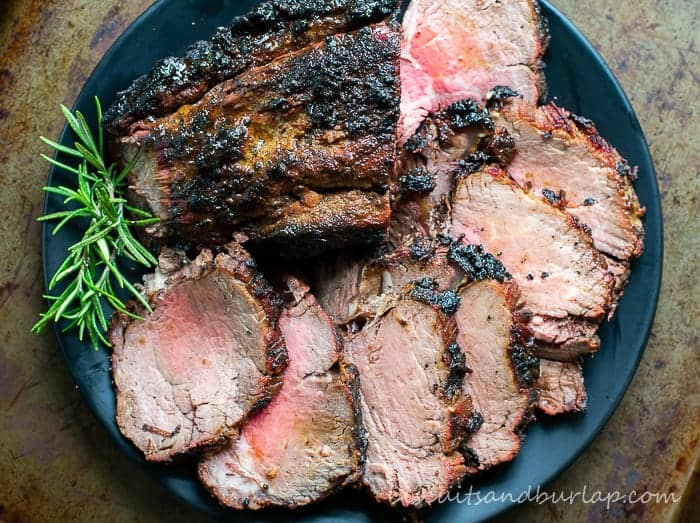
x=300 y=447
x=457 y=49
x=410 y=457
x=191 y=371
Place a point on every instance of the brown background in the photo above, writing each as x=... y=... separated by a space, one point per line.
x=56 y=462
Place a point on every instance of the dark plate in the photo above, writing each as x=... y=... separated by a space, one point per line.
x=580 y=81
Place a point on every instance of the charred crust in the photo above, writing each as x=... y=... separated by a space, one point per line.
x=422 y=249
x=525 y=364
x=477 y=263
x=457 y=365
x=417 y=181
x=544 y=37
x=499 y=94
x=589 y=201
x=444 y=239
x=623 y=169
x=476 y=420
x=418 y=141
x=425 y=290
x=542 y=28
x=341 y=94
x=205 y=155
x=473 y=163
x=554 y=198
x=251 y=40
x=500 y=146
x=468 y=113
x=583 y=123
x=264 y=401
x=470 y=457
x=351 y=378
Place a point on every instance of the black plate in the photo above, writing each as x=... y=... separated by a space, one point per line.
x=580 y=81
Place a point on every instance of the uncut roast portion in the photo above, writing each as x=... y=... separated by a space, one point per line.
x=293 y=149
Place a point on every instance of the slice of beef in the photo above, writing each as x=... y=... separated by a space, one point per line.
x=560 y=387
x=336 y=282
x=302 y=130
x=457 y=49
x=497 y=347
x=270 y=30
x=409 y=219
x=444 y=141
x=361 y=287
x=209 y=354
x=307 y=442
x=560 y=275
x=565 y=338
x=563 y=159
x=413 y=408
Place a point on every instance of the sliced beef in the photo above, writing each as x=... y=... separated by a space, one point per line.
x=560 y=387
x=307 y=442
x=208 y=355
x=457 y=49
x=270 y=30
x=361 y=287
x=565 y=338
x=336 y=282
x=303 y=146
x=497 y=347
x=564 y=160
x=562 y=278
x=413 y=408
x=444 y=141
x=408 y=220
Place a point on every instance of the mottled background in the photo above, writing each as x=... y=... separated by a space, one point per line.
x=56 y=462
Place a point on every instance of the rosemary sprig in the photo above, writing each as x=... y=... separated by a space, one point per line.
x=90 y=271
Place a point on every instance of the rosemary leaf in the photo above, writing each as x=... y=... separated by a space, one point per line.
x=90 y=269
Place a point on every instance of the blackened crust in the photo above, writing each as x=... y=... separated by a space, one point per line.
x=273 y=28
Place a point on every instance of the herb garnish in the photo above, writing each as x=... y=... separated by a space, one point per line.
x=90 y=268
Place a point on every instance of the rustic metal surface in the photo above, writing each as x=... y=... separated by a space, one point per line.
x=57 y=464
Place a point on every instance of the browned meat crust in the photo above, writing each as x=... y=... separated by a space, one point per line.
x=321 y=120
x=271 y=29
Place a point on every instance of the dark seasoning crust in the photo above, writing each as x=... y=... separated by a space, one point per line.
x=271 y=29
x=214 y=180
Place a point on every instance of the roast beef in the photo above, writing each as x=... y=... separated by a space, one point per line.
x=498 y=349
x=560 y=387
x=443 y=141
x=457 y=49
x=270 y=30
x=564 y=160
x=563 y=280
x=413 y=408
x=208 y=355
x=360 y=287
x=300 y=147
x=308 y=441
